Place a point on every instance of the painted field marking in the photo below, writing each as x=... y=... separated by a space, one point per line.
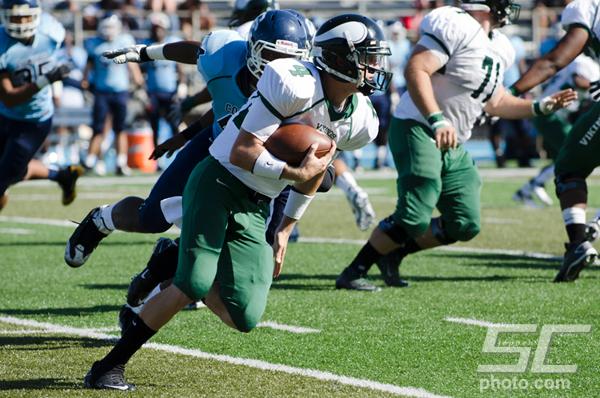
x=175 y=231
x=16 y=231
x=474 y=322
x=252 y=363
x=287 y=328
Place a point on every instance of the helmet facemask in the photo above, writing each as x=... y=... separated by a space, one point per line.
x=505 y=12
x=21 y=21
x=262 y=52
x=372 y=65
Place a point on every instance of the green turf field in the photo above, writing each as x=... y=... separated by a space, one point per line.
x=54 y=320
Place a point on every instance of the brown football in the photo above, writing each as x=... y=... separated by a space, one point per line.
x=290 y=142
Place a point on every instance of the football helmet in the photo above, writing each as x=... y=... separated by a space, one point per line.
x=276 y=34
x=504 y=11
x=247 y=10
x=352 y=48
x=20 y=18
x=110 y=27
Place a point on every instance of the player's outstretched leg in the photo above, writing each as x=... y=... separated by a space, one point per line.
x=364 y=215
x=86 y=237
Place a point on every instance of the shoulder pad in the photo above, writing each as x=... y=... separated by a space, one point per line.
x=224 y=54
x=52 y=28
x=449 y=26
x=503 y=48
x=297 y=78
x=580 y=12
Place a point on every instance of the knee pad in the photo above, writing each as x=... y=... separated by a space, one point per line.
x=437 y=229
x=570 y=182
x=456 y=231
x=394 y=230
x=152 y=218
x=328 y=179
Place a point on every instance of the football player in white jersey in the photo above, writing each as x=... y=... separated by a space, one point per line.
x=454 y=73
x=224 y=258
x=579 y=154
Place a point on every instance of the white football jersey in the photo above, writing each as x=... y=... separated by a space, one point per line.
x=290 y=91
x=585 y=13
x=473 y=67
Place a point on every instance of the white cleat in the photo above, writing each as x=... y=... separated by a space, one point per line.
x=364 y=214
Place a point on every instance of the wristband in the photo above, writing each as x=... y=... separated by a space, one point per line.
x=155 y=52
x=296 y=204
x=536 y=109
x=268 y=166
x=42 y=82
x=437 y=120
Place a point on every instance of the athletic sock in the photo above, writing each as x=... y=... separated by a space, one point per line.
x=543 y=176
x=122 y=160
x=410 y=247
x=53 y=174
x=347 y=183
x=90 y=161
x=574 y=218
x=133 y=339
x=104 y=220
x=366 y=257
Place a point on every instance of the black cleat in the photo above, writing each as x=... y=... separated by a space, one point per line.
x=577 y=257
x=349 y=280
x=126 y=316
x=161 y=266
x=114 y=379
x=83 y=241
x=140 y=287
x=67 y=180
x=389 y=266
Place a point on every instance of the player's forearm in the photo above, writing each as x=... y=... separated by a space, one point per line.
x=185 y=52
x=199 y=125
x=540 y=71
x=510 y=107
x=18 y=95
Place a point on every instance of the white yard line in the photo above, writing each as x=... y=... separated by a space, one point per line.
x=338 y=241
x=252 y=363
x=474 y=322
x=16 y=231
x=287 y=328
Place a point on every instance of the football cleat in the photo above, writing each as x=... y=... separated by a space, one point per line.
x=114 y=379
x=67 y=180
x=350 y=280
x=540 y=192
x=124 y=171
x=389 y=266
x=592 y=230
x=140 y=287
x=525 y=199
x=161 y=266
x=85 y=239
x=577 y=257
x=364 y=215
x=126 y=316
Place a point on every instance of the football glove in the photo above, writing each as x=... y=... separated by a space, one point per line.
x=135 y=53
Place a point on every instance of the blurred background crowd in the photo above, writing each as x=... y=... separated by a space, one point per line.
x=100 y=98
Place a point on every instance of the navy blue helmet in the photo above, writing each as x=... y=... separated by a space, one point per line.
x=20 y=18
x=276 y=34
x=352 y=48
x=248 y=10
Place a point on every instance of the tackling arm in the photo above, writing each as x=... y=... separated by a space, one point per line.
x=11 y=95
x=567 y=49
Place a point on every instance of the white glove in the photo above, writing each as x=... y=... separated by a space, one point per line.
x=135 y=53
